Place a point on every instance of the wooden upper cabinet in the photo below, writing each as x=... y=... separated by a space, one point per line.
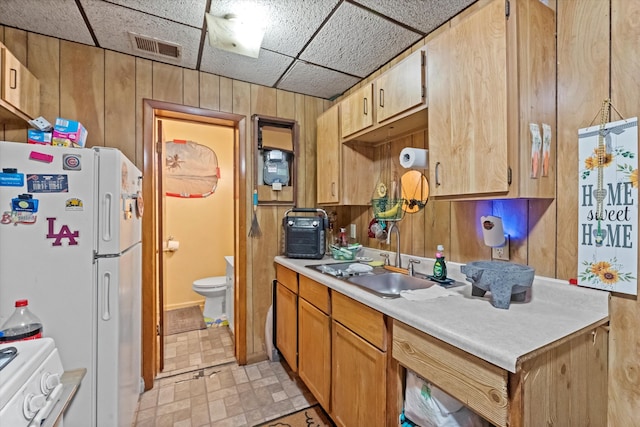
x=345 y=174
x=328 y=157
x=20 y=92
x=399 y=104
x=402 y=87
x=490 y=76
x=356 y=111
x=467 y=73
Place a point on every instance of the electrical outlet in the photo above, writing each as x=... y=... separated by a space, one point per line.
x=352 y=231
x=501 y=252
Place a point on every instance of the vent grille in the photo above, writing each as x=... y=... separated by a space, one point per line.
x=155 y=46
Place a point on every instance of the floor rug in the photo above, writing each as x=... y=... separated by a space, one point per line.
x=313 y=416
x=183 y=320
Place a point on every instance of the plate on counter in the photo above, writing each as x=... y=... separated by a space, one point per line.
x=359 y=268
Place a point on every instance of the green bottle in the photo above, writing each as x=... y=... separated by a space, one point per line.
x=439 y=267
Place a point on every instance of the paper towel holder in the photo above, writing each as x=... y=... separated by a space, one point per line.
x=495 y=237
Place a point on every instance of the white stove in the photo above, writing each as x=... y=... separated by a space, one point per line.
x=30 y=384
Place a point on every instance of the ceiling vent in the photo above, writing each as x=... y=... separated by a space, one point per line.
x=155 y=46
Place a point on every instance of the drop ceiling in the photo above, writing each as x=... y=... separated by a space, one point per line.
x=313 y=47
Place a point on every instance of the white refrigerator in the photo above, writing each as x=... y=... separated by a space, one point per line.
x=70 y=243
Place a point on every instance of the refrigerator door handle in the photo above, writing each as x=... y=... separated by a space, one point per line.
x=106 y=232
x=106 y=283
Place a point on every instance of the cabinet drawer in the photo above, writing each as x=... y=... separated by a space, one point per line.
x=315 y=293
x=364 y=321
x=479 y=384
x=288 y=278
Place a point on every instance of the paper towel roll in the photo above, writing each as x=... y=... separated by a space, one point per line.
x=172 y=245
x=413 y=158
x=492 y=230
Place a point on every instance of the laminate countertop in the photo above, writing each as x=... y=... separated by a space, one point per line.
x=502 y=337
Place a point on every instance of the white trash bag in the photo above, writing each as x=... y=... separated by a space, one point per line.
x=428 y=406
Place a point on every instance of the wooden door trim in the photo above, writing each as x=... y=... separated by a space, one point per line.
x=150 y=225
x=159 y=215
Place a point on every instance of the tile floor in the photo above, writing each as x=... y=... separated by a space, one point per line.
x=206 y=387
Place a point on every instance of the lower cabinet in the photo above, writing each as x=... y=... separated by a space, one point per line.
x=287 y=325
x=359 y=380
x=314 y=351
x=359 y=364
x=564 y=385
x=337 y=346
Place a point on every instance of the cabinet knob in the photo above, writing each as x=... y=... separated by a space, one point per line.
x=364 y=106
x=437 y=177
x=381 y=97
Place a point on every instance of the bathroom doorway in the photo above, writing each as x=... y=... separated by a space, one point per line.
x=197 y=240
x=155 y=240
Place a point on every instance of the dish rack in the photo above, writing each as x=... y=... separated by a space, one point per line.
x=344 y=253
x=386 y=209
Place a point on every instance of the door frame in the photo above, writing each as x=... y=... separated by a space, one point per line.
x=152 y=245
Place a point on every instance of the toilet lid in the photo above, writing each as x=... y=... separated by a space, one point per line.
x=210 y=282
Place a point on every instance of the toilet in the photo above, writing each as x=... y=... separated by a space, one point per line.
x=214 y=290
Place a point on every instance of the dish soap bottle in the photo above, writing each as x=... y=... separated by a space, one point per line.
x=440 y=267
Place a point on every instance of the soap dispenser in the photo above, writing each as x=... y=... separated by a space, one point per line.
x=440 y=267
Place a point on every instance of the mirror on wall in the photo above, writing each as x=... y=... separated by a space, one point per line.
x=415 y=191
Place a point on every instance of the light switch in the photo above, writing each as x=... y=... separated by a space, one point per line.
x=352 y=231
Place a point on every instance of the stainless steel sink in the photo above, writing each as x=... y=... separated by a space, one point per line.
x=389 y=285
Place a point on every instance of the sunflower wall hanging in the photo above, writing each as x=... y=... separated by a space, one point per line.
x=608 y=206
x=191 y=169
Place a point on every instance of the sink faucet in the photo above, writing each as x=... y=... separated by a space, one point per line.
x=394 y=227
x=411 y=269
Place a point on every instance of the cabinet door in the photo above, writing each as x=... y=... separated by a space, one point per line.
x=314 y=342
x=401 y=88
x=328 y=157
x=358 y=380
x=355 y=111
x=467 y=75
x=20 y=88
x=286 y=325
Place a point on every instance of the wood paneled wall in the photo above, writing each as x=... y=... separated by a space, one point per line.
x=597 y=58
x=624 y=354
x=104 y=90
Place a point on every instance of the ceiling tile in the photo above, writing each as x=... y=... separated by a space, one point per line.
x=423 y=15
x=357 y=42
x=316 y=81
x=60 y=19
x=264 y=70
x=189 y=12
x=289 y=23
x=113 y=34
x=324 y=46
